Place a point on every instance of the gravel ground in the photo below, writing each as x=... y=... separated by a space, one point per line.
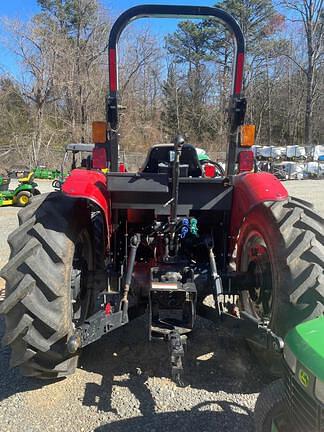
x=309 y=190
x=122 y=382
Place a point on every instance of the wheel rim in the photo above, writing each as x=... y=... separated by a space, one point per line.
x=81 y=265
x=255 y=259
x=24 y=200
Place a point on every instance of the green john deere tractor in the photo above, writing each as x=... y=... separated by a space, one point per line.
x=21 y=195
x=296 y=402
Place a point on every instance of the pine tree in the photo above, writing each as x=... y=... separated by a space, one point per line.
x=173 y=104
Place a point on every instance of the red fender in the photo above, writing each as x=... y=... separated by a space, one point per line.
x=251 y=189
x=90 y=185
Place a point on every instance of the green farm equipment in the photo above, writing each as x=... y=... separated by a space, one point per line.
x=21 y=195
x=296 y=402
x=44 y=173
x=4 y=184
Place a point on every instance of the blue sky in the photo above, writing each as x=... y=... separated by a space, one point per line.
x=124 y=4
x=25 y=9
x=28 y=7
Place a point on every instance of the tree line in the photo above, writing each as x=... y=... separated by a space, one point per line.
x=180 y=83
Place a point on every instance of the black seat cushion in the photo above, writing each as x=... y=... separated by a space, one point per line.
x=161 y=154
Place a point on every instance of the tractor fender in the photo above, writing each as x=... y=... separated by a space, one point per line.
x=251 y=189
x=24 y=187
x=92 y=186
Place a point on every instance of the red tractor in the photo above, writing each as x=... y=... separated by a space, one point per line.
x=110 y=246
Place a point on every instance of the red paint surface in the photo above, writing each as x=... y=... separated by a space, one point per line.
x=91 y=185
x=239 y=74
x=251 y=189
x=112 y=70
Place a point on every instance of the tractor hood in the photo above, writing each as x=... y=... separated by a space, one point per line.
x=306 y=343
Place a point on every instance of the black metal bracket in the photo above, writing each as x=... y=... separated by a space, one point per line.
x=172 y=304
x=236 y=282
x=94 y=328
x=237 y=110
x=177 y=344
x=134 y=243
x=173 y=245
x=236 y=116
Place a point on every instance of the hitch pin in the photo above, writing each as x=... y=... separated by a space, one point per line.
x=74 y=343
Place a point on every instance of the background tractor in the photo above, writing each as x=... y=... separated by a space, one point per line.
x=76 y=155
x=111 y=246
x=22 y=194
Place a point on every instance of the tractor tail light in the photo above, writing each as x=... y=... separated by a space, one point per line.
x=122 y=167
x=210 y=170
x=99 y=157
x=108 y=309
x=246 y=161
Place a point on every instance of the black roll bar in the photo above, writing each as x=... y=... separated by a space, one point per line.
x=169 y=11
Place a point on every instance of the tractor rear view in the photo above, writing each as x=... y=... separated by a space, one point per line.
x=109 y=247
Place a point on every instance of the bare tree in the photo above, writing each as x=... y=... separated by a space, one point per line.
x=140 y=89
x=37 y=52
x=62 y=83
x=84 y=26
x=311 y=14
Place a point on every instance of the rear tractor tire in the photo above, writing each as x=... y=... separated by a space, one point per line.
x=283 y=244
x=47 y=291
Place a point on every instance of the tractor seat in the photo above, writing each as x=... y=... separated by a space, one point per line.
x=27 y=179
x=160 y=155
x=87 y=162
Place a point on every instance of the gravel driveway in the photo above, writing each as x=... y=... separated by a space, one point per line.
x=122 y=382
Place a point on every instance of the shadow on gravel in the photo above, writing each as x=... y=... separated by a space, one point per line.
x=11 y=381
x=229 y=417
x=215 y=362
x=125 y=358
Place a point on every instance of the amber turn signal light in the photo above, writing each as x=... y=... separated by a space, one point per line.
x=247 y=133
x=99 y=132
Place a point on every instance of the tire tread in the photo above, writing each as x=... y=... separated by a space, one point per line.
x=268 y=403
x=302 y=251
x=36 y=307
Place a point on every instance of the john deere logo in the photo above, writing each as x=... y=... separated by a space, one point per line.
x=303 y=378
